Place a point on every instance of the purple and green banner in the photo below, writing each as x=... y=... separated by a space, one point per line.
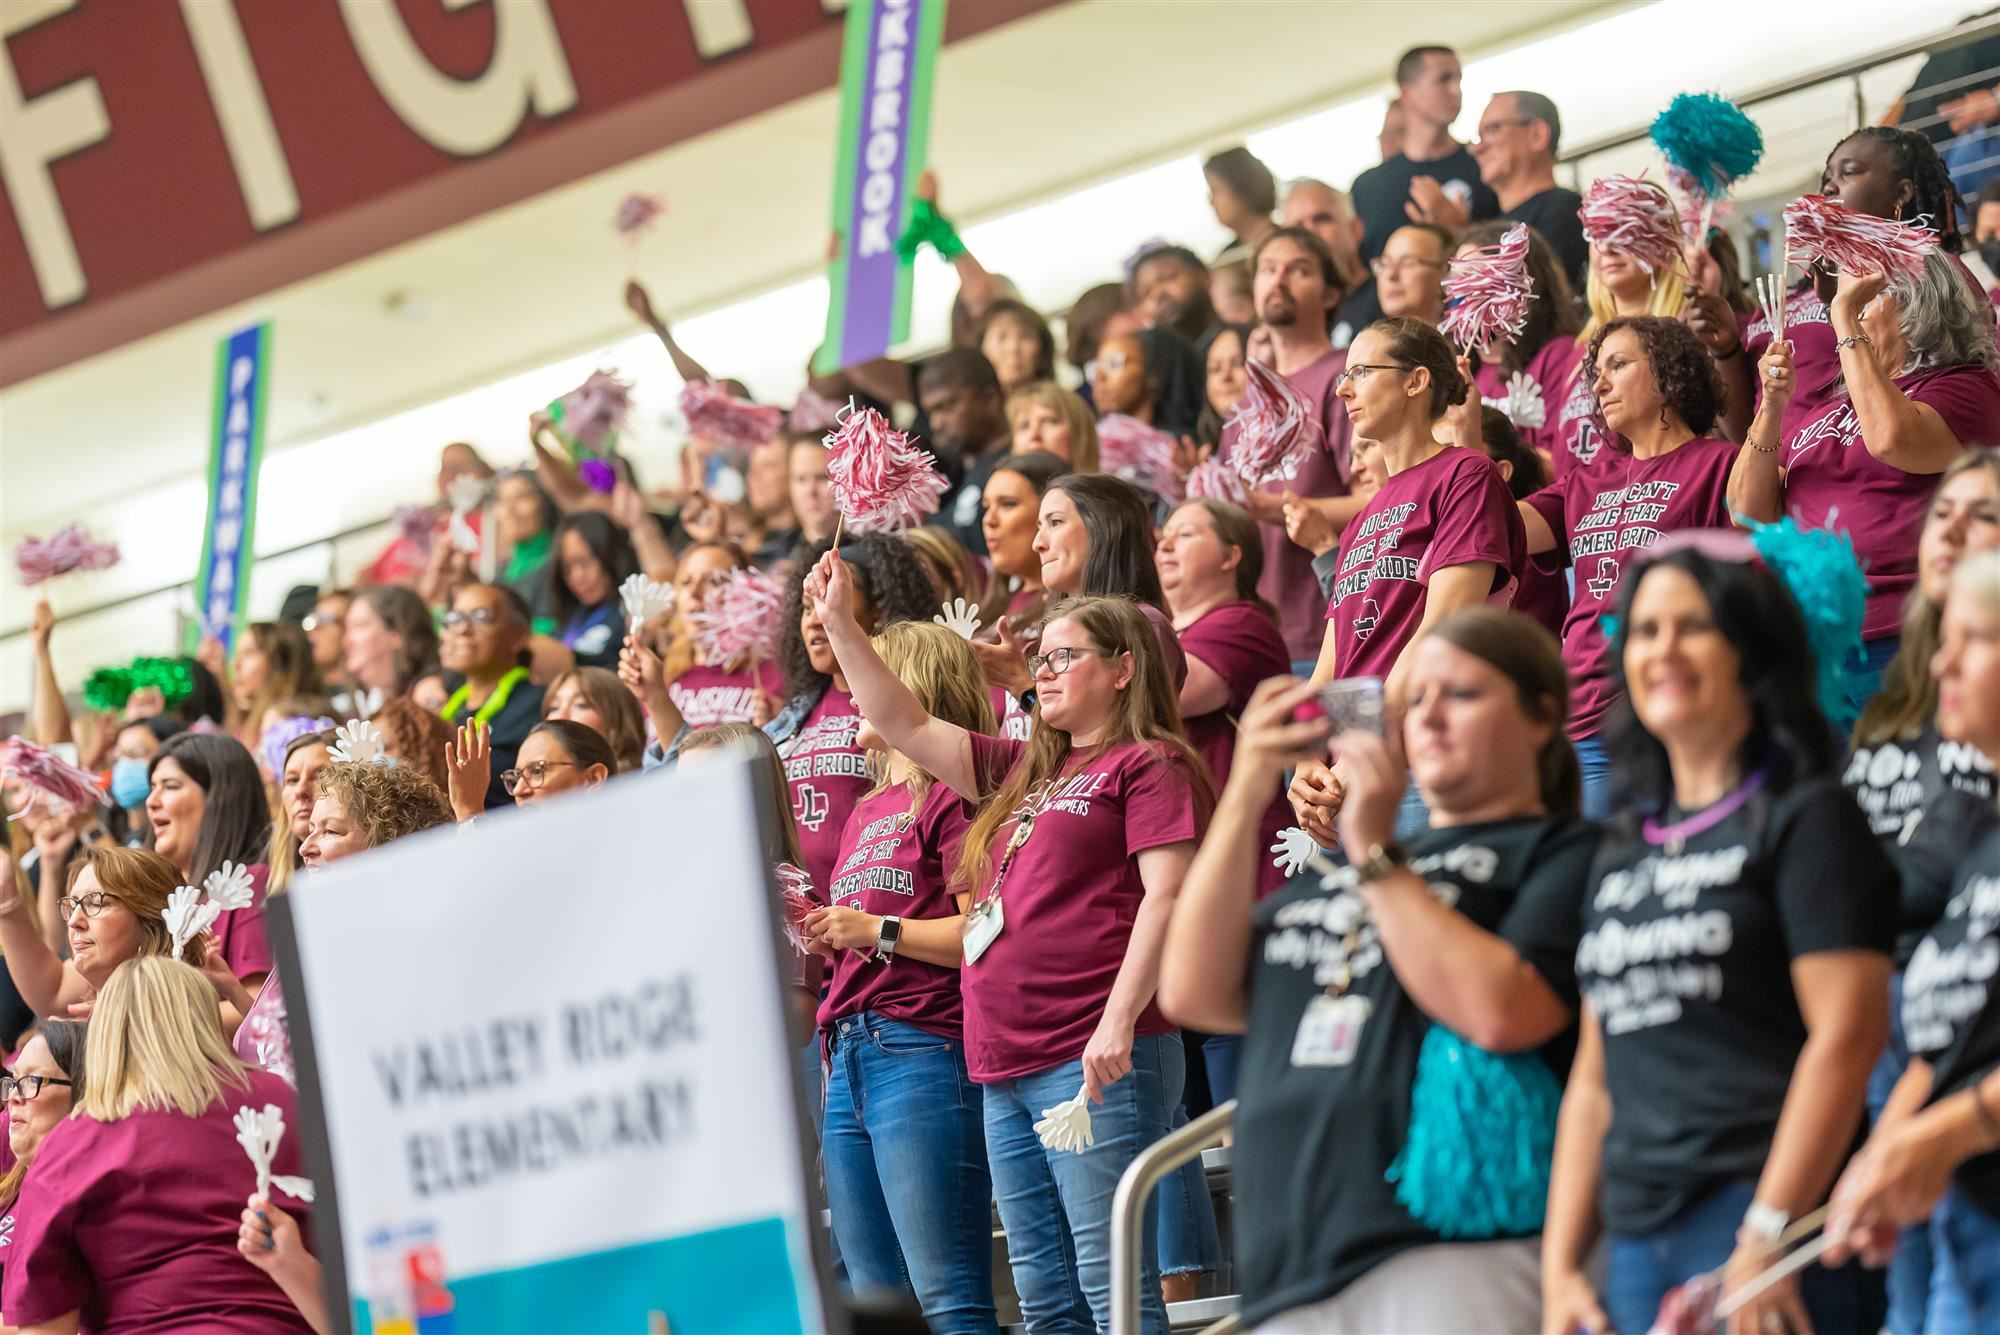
x=242 y=376
x=887 y=63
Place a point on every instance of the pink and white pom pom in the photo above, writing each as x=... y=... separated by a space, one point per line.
x=66 y=551
x=716 y=414
x=637 y=213
x=1275 y=430
x=1627 y=216
x=1817 y=228
x=1143 y=455
x=795 y=892
x=882 y=481
x=744 y=618
x=1214 y=480
x=593 y=412
x=49 y=775
x=813 y=412
x=1488 y=294
x=1698 y=211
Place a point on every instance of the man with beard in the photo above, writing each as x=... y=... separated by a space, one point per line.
x=1296 y=289
x=1169 y=286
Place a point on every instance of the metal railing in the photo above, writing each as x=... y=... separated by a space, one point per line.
x=1128 y=1211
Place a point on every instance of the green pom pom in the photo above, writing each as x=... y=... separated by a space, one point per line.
x=930 y=228
x=1475 y=1164
x=108 y=689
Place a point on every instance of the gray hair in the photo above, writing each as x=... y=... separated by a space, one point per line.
x=1978 y=578
x=1535 y=107
x=1943 y=320
x=1343 y=203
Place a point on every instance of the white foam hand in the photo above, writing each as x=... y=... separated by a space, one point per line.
x=960 y=616
x=229 y=887
x=1524 y=405
x=299 y=1187
x=1065 y=1128
x=465 y=493
x=259 y=1133
x=187 y=917
x=644 y=599
x=1294 y=849
x=359 y=741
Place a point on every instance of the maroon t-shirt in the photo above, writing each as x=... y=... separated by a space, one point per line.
x=1600 y=516
x=1581 y=433
x=895 y=863
x=708 y=695
x=240 y=932
x=1450 y=510
x=1831 y=479
x=1533 y=397
x=1069 y=899
x=1239 y=644
x=1288 y=582
x=827 y=771
x=134 y=1222
x=1170 y=644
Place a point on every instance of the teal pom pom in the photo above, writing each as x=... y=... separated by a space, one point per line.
x=1482 y=1132
x=1824 y=577
x=1710 y=139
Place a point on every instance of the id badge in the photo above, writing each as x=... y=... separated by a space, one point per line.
x=981 y=926
x=1330 y=1031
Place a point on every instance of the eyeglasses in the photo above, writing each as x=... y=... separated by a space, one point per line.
x=1491 y=128
x=92 y=904
x=1058 y=661
x=1359 y=372
x=531 y=777
x=27 y=1086
x=478 y=616
x=1385 y=268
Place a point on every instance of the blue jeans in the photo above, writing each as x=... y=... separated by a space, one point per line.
x=1640 y=1270
x=1223 y=1055
x=1965 y=1289
x=1189 y=1242
x=906 y=1170
x=1595 y=764
x=1057 y=1206
x=1917 y=1304
x=1413 y=817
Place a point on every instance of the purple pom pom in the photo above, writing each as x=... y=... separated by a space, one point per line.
x=598 y=475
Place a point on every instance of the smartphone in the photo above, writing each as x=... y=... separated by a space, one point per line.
x=1353 y=705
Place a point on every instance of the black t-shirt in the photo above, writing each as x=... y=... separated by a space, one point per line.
x=1381 y=191
x=508 y=728
x=1948 y=1013
x=1901 y=787
x=1313 y=1142
x=1361 y=308
x=965 y=502
x=1553 y=214
x=1686 y=963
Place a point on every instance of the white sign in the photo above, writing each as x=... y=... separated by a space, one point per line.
x=553 y=1065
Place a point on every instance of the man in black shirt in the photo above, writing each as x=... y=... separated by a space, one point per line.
x=1433 y=176
x=960 y=394
x=1516 y=152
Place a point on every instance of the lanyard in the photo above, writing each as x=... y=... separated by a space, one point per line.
x=494 y=702
x=1031 y=806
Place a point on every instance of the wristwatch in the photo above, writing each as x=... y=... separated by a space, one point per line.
x=886 y=937
x=1379 y=861
x=1765 y=1223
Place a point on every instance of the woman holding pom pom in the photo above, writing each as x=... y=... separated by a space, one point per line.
x=129 y=1219
x=1919 y=383
x=1083 y=836
x=904 y=1137
x=1734 y=961
x=1365 y=981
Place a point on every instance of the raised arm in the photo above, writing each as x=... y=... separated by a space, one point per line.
x=1896 y=429
x=45 y=982
x=52 y=721
x=686 y=367
x=944 y=749
x=1757 y=478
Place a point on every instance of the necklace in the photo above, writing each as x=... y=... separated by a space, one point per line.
x=1674 y=837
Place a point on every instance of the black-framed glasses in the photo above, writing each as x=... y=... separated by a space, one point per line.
x=479 y=616
x=27 y=1087
x=531 y=777
x=1358 y=372
x=1058 y=661
x=92 y=903
x=1403 y=264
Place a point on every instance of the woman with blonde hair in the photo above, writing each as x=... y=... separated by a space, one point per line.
x=128 y=1220
x=298 y=774
x=114 y=911
x=1045 y=416
x=357 y=805
x=952 y=568
x=596 y=698
x=905 y=1149
x=1084 y=833
x=274 y=662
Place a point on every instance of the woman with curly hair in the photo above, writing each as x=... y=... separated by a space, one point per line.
x=416 y=737
x=358 y=805
x=1663 y=471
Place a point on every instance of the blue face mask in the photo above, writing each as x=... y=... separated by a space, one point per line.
x=129 y=782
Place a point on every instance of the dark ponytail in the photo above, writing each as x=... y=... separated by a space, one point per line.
x=1526 y=654
x=1414 y=343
